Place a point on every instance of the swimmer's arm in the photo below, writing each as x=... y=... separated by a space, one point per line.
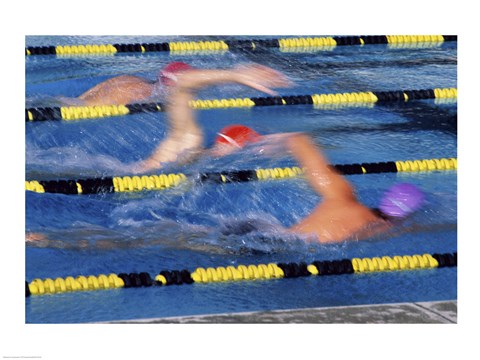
x=259 y=77
x=185 y=137
x=182 y=122
x=322 y=177
x=180 y=114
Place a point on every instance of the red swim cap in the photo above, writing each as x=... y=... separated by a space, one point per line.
x=168 y=73
x=237 y=135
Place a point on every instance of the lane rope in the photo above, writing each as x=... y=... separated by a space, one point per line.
x=235 y=45
x=165 y=181
x=70 y=113
x=241 y=272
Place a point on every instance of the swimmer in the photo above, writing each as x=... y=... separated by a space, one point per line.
x=129 y=89
x=184 y=141
x=340 y=216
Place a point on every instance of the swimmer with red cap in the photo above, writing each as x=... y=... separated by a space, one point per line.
x=129 y=89
x=185 y=139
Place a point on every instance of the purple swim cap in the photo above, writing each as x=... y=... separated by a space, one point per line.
x=401 y=200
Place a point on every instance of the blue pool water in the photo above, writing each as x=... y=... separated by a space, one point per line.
x=181 y=228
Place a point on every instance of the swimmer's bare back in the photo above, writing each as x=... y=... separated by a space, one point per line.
x=120 y=90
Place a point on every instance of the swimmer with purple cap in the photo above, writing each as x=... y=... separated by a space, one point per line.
x=340 y=216
x=400 y=201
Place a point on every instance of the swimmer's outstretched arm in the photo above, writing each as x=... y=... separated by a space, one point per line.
x=323 y=178
x=185 y=136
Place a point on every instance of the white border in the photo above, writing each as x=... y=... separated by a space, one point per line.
x=230 y=18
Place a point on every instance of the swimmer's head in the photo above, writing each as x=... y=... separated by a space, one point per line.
x=401 y=200
x=237 y=136
x=168 y=75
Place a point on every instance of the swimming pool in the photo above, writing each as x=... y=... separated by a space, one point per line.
x=181 y=227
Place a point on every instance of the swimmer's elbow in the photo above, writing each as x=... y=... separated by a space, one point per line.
x=319 y=173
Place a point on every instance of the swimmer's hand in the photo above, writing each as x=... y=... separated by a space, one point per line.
x=261 y=78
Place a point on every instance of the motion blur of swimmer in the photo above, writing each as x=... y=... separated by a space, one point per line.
x=339 y=216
